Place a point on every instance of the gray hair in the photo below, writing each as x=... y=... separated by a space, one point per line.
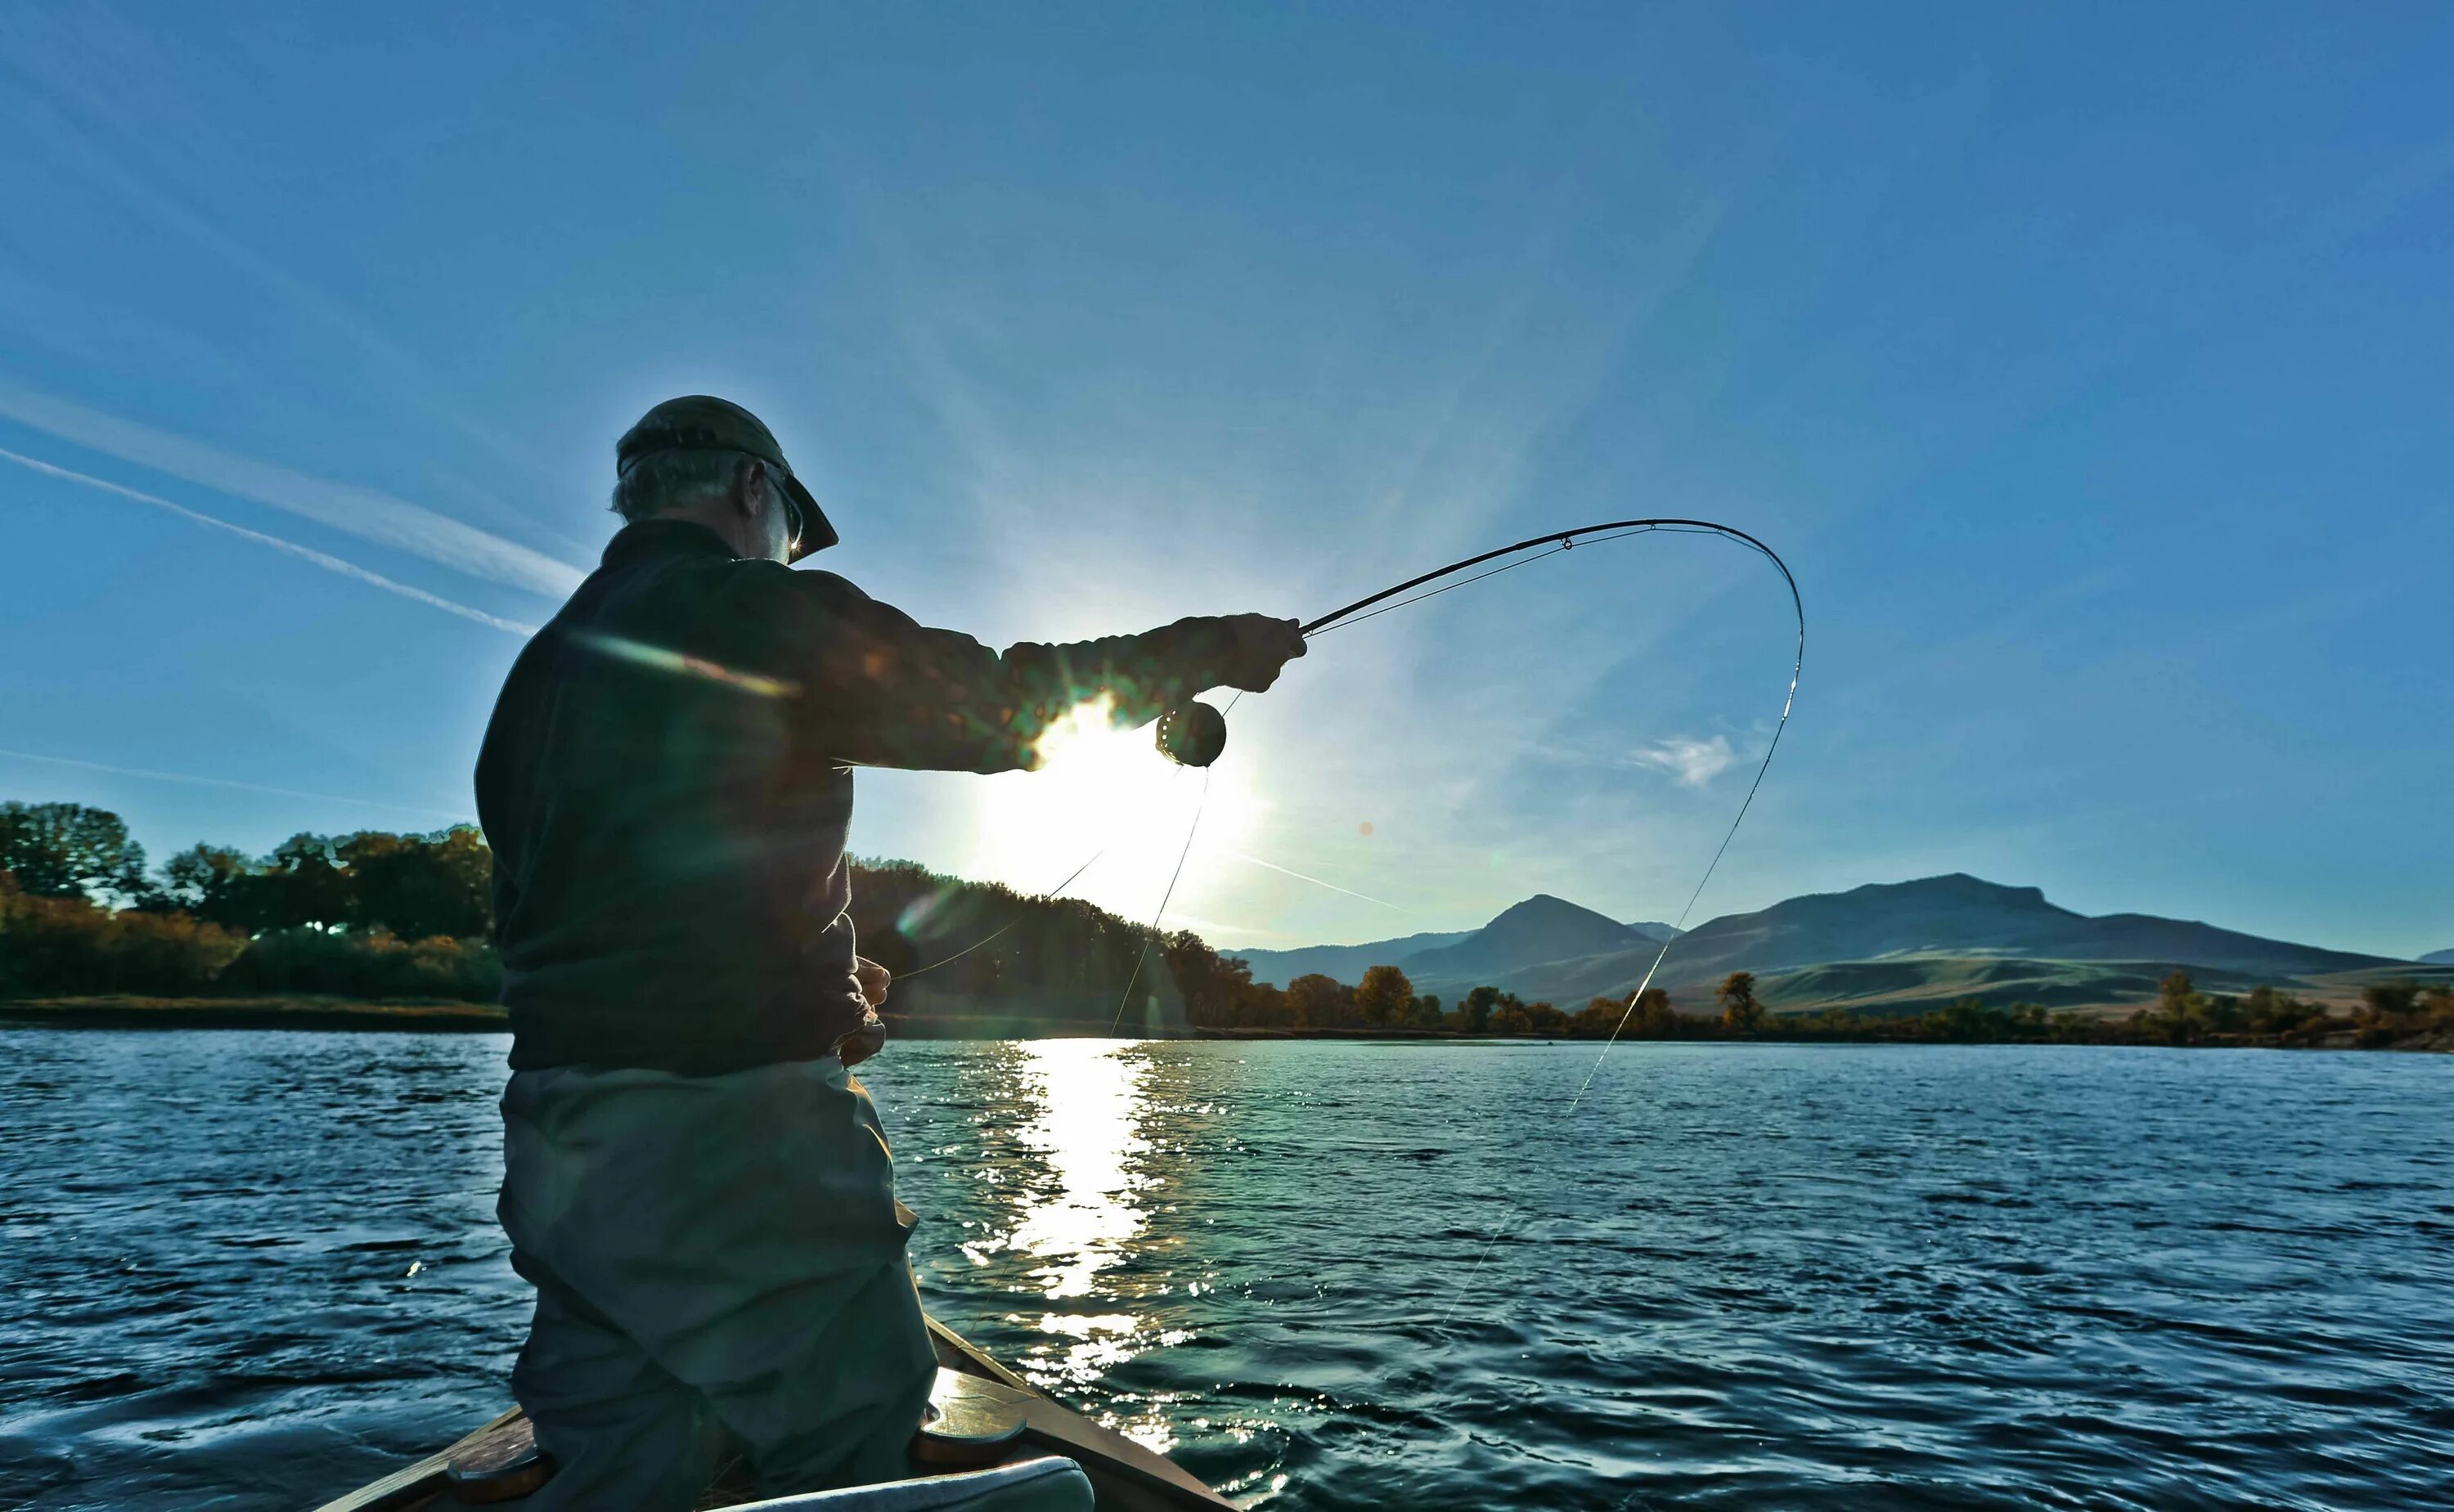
x=675 y=479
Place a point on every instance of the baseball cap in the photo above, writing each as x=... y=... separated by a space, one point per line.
x=705 y=423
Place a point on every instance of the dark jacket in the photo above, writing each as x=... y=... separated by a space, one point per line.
x=667 y=786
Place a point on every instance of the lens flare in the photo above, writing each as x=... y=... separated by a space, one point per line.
x=1098 y=786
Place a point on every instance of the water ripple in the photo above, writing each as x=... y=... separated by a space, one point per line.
x=248 y=1269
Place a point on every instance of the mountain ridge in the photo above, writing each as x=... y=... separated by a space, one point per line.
x=1900 y=939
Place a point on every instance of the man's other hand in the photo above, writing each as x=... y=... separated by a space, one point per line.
x=1261 y=645
x=864 y=1041
x=873 y=978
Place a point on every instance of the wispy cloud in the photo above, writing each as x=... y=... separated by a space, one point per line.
x=1289 y=871
x=307 y=553
x=363 y=512
x=1694 y=763
x=224 y=782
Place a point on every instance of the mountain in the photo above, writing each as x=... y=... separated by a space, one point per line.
x=2439 y=957
x=1541 y=928
x=1935 y=937
x=1966 y=915
x=1346 y=962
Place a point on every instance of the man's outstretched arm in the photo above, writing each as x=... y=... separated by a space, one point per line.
x=884 y=690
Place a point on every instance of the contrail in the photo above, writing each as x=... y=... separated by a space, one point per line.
x=367 y=513
x=224 y=782
x=322 y=559
x=1317 y=882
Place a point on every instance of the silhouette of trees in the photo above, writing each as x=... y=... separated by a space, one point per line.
x=1654 y=1018
x=377 y=914
x=74 y=945
x=372 y=914
x=1318 y=1001
x=1384 y=997
x=1473 y=1014
x=1597 y=1018
x=419 y=886
x=68 y=850
x=1740 y=1012
x=210 y=883
x=2269 y=1011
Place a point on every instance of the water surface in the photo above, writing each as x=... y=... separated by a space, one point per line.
x=246 y=1269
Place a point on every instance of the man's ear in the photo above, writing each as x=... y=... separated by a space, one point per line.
x=749 y=484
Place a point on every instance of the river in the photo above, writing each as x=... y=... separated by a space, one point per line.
x=250 y=1269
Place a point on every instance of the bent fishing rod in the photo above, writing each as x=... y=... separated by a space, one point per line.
x=1194 y=733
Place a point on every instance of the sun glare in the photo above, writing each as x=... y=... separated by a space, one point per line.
x=1099 y=786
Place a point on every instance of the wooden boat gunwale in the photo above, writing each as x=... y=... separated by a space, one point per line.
x=1126 y=1476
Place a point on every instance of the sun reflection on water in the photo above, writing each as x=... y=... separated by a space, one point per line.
x=1080 y=1223
x=1089 y=1131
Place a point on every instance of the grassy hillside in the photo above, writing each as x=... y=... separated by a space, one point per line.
x=1915 y=984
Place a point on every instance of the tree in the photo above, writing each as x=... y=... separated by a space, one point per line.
x=1384 y=997
x=1317 y=1002
x=210 y=883
x=1473 y=1014
x=1598 y=1017
x=420 y=886
x=305 y=885
x=2175 y=992
x=2273 y=1012
x=2384 y=1000
x=1654 y=1018
x=1740 y=1012
x=1425 y=1013
x=1216 y=989
x=68 y=850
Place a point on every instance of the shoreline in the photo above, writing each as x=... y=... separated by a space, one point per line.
x=436 y=1016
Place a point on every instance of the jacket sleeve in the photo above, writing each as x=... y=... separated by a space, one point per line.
x=881 y=689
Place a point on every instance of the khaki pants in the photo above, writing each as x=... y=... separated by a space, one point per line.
x=719 y=1269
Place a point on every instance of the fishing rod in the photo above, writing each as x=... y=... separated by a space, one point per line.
x=1194 y=733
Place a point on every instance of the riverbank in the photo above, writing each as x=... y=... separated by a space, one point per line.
x=440 y=1016
x=301 y=1012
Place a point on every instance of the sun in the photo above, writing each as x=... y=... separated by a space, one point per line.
x=1106 y=791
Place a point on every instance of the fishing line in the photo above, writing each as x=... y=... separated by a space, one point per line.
x=1190 y=830
x=1008 y=927
x=1378 y=604
x=1375 y=604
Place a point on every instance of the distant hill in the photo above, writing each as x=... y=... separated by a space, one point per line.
x=1937 y=938
x=1966 y=915
x=1915 y=984
x=1347 y=963
x=2439 y=957
x=1541 y=928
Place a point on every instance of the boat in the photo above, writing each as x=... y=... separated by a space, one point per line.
x=993 y=1442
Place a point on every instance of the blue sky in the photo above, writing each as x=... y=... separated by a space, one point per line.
x=2088 y=365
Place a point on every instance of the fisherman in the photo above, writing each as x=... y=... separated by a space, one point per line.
x=695 y=1182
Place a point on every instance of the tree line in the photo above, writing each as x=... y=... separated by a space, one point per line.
x=372 y=914
x=2388 y=1014
x=377 y=914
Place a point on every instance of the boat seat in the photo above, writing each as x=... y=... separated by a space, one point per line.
x=1048 y=1483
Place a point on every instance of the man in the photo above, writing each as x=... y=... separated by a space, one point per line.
x=692 y=1180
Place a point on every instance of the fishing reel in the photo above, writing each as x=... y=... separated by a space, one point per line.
x=1192 y=734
